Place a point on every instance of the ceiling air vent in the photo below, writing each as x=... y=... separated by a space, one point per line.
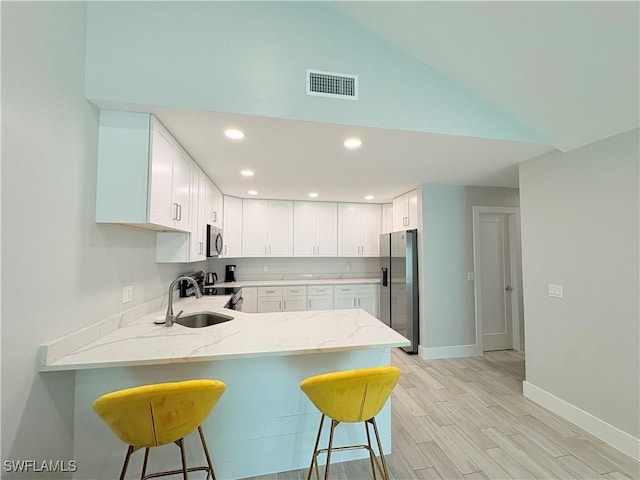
x=331 y=84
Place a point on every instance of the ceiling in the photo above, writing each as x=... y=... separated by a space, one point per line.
x=569 y=70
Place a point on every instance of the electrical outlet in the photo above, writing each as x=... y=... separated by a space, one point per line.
x=348 y=267
x=555 y=290
x=127 y=294
x=265 y=269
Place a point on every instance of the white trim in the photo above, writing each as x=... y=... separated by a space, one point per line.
x=514 y=249
x=615 y=437
x=432 y=353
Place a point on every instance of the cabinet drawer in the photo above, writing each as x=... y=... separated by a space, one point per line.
x=301 y=290
x=320 y=290
x=355 y=289
x=269 y=291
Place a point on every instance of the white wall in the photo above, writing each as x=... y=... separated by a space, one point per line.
x=447 y=297
x=300 y=267
x=60 y=270
x=580 y=228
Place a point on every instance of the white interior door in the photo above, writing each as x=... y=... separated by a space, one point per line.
x=496 y=288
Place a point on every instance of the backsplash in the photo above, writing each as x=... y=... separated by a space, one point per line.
x=294 y=268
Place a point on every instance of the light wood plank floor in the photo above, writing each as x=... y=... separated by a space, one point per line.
x=466 y=418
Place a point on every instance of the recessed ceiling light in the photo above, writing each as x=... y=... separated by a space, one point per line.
x=247 y=173
x=313 y=195
x=252 y=192
x=352 y=143
x=234 y=133
x=369 y=197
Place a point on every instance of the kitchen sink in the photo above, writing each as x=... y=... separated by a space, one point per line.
x=202 y=319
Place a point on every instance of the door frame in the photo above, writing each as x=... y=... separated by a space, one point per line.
x=517 y=311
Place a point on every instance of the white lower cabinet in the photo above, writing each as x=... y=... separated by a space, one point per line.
x=357 y=296
x=249 y=299
x=320 y=297
x=282 y=299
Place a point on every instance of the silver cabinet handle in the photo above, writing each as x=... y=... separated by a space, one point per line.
x=269 y=250
x=179 y=212
x=280 y=304
x=225 y=248
x=354 y=302
x=175 y=211
x=309 y=304
x=201 y=247
x=215 y=217
x=285 y=304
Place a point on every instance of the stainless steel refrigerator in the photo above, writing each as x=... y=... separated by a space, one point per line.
x=399 y=284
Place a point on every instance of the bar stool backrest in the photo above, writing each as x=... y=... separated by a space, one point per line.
x=154 y=415
x=352 y=395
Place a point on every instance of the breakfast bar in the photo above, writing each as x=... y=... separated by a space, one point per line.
x=263 y=423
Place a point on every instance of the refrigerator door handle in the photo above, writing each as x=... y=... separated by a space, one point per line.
x=383 y=277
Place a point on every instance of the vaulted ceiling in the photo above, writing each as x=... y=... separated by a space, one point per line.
x=567 y=71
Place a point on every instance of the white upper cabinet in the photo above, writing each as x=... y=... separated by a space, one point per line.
x=315 y=229
x=405 y=211
x=198 y=251
x=232 y=227
x=182 y=247
x=387 y=218
x=214 y=212
x=359 y=230
x=144 y=176
x=267 y=228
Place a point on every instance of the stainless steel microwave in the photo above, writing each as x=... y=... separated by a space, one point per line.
x=214 y=241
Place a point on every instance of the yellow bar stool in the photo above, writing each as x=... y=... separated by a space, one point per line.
x=159 y=414
x=351 y=396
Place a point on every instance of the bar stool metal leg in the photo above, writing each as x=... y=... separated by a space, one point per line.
x=206 y=454
x=314 y=457
x=126 y=462
x=334 y=424
x=371 y=457
x=384 y=462
x=144 y=463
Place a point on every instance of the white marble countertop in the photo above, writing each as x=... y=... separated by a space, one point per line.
x=141 y=342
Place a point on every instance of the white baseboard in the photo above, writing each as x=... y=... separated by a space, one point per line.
x=599 y=428
x=432 y=353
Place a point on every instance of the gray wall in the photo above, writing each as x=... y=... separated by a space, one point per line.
x=448 y=308
x=60 y=271
x=580 y=229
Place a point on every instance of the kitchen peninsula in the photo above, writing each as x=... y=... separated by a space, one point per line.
x=263 y=423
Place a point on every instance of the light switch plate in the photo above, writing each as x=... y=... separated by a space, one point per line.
x=555 y=290
x=127 y=294
x=471 y=276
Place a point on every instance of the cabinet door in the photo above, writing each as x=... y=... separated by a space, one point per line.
x=320 y=302
x=387 y=218
x=181 y=191
x=232 y=227
x=294 y=303
x=345 y=302
x=249 y=299
x=348 y=230
x=254 y=227
x=400 y=213
x=269 y=304
x=327 y=237
x=304 y=229
x=370 y=228
x=215 y=203
x=412 y=201
x=280 y=229
x=198 y=211
x=162 y=211
x=369 y=303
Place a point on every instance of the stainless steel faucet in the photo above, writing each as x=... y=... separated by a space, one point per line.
x=170 y=318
